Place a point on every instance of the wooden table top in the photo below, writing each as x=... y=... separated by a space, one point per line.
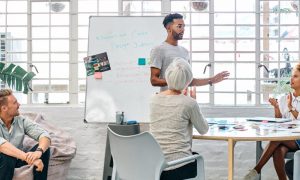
x=265 y=132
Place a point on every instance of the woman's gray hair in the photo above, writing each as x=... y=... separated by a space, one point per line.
x=179 y=75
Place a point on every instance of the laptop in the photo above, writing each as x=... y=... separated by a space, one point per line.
x=269 y=119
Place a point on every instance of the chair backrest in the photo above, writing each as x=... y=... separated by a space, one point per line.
x=136 y=157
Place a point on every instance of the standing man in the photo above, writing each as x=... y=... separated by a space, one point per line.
x=163 y=54
x=13 y=127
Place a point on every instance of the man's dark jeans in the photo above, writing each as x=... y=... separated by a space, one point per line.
x=289 y=169
x=184 y=172
x=8 y=165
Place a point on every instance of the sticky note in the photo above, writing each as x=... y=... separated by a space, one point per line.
x=142 y=61
x=98 y=75
x=265 y=121
x=148 y=61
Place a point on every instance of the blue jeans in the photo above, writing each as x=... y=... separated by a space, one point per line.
x=184 y=172
x=9 y=163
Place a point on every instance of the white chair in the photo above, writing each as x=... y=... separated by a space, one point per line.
x=296 y=164
x=140 y=157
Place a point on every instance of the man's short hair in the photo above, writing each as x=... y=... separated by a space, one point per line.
x=169 y=18
x=3 y=97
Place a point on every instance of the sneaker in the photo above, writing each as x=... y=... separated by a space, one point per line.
x=252 y=175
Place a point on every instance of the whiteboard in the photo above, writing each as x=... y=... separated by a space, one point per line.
x=126 y=87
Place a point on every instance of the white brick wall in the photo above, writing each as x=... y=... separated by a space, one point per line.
x=91 y=138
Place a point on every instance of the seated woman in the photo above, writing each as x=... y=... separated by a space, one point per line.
x=172 y=116
x=288 y=107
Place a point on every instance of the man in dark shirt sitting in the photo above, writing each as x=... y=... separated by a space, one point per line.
x=13 y=127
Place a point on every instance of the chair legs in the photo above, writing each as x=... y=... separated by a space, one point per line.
x=297 y=165
x=200 y=169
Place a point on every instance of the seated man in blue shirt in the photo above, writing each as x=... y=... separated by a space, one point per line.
x=13 y=127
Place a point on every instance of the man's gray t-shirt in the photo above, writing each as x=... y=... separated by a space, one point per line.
x=163 y=55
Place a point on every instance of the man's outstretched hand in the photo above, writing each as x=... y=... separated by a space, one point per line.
x=220 y=77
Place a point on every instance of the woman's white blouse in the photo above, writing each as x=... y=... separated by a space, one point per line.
x=284 y=109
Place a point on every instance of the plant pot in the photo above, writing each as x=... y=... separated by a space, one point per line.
x=200 y=5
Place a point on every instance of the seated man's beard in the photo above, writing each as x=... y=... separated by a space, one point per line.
x=176 y=36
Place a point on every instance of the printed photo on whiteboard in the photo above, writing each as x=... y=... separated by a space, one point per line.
x=100 y=62
x=89 y=66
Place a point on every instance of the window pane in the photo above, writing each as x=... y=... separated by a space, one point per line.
x=59 y=19
x=243 y=99
x=202 y=98
x=243 y=31
x=245 y=85
x=224 y=57
x=268 y=18
x=82 y=45
x=38 y=97
x=273 y=70
x=16 y=46
x=149 y=6
x=59 y=45
x=245 y=45
x=132 y=6
x=60 y=7
x=43 y=69
x=59 y=85
x=59 y=32
x=2 y=19
x=108 y=6
x=268 y=45
x=81 y=98
x=39 y=7
x=198 y=69
x=219 y=67
x=268 y=5
x=245 y=70
x=224 y=18
x=59 y=70
x=21 y=98
x=199 y=18
x=40 y=19
x=269 y=57
x=202 y=88
x=269 y=32
x=200 y=31
x=40 y=32
x=40 y=85
x=245 y=56
x=224 y=98
x=40 y=45
x=224 y=5
x=58 y=98
x=16 y=32
x=81 y=56
x=224 y=45
x=245 y=5
x=200 y=45
x=16 y=6
x=87 y=6
x=289 y=32
x=286 y=69
x=2 y=6
x=291 y=5
x=83 y=32
x=185 y=44
x=59 y=57
x=200 y=56
x=289 y=57
x=2 y=47
x=187 y=32
x=227 y=85
x=245 y=18
x=289 y=18
x=81 y=85
x=180 y=6
x=224 y=31
x=40 y=57
x=16 y=57
x=2 y=58
x=81 y=70
x=264 y=98
x=83 y=19
x=289 y=45
x=17 y=19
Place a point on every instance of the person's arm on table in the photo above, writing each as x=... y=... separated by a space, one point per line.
x=276 y=107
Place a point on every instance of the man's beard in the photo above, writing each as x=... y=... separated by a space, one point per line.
x=176 y=36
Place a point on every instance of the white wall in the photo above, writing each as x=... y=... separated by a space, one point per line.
x=91 y=138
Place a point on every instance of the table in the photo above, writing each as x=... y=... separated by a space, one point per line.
x=266 y=132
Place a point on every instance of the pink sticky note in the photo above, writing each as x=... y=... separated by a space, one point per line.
x=98 y=75
x=265 y=121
